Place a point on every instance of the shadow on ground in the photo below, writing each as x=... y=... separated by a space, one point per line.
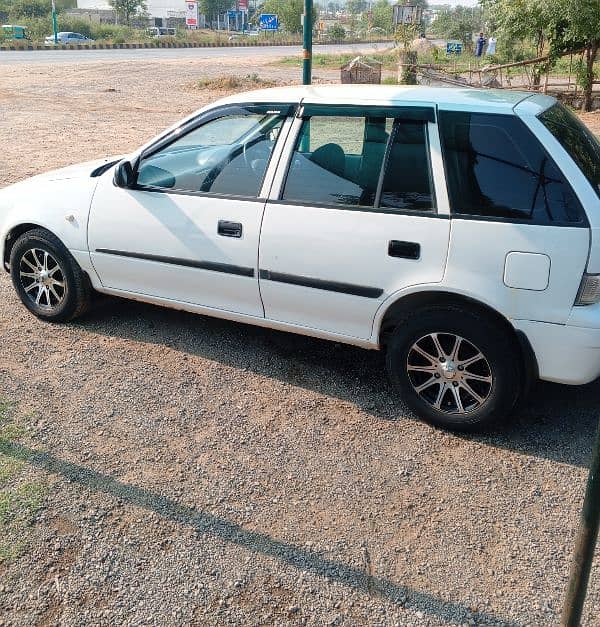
x=556 y=423
x=261 y=543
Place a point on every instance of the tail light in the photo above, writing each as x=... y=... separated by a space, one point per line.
x=589 y=290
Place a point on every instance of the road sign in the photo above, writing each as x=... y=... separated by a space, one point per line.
x=232 y=15
x=268 y=21
x=191 y=14
x=454 y=47
x=243 y=5
x=407 y=14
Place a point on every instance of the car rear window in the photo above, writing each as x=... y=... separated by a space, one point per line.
x=576 y=139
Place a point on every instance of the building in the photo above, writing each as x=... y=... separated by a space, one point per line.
x=156 y=9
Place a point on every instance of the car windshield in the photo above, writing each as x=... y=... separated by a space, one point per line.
x=576 y=139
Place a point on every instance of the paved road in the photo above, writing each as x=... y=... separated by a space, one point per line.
x=91 y=56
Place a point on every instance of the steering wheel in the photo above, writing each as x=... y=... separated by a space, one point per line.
x=217 y=169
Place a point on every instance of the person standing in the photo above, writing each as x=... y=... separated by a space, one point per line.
x=491 y=47
x=479 y=45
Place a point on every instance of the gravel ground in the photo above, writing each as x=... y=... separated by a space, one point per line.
x=205 y=472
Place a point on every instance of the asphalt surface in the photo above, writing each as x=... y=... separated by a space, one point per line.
x=53 y=56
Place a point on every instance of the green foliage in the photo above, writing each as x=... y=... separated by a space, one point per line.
x=355 y=7
x=126 y=9
x=18 y=9
x=458 y=23
x=211 y=8
x=289 y=12
x=337 y=31
x=20 y=498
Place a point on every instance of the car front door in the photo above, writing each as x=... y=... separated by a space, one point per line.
x=360 y=213
x=188 y=229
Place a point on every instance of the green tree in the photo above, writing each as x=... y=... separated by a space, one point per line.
x=126 y=9
x=382 y=16
x=289 y=13
x=458 y=23
x=556 y=27
x=354 y=7
x=337 y=32
x=28 y=8
x=212 y=8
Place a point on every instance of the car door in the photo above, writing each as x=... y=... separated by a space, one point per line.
x=188 y=229
x=358 y=214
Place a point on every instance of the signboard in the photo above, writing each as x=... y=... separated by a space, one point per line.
x=232 y=15
x=454 y=47
x=243 y=5
x=191 y=14
x=407 y=14
x=268 y=21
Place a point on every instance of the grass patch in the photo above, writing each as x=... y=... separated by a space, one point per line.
x=234 y=82
x=20 y=498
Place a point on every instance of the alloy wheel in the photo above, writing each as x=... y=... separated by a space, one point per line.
x=42 y=278
x=449 y=373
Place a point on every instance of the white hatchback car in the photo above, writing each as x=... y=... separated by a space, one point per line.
x=458 y=229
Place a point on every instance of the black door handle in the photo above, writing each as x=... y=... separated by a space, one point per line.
x=405 y=250
x=229 y=229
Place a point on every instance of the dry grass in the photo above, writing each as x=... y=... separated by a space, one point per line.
x=234 y=82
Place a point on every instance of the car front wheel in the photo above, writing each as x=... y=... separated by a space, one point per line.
x=455 y=368
x=47 y=278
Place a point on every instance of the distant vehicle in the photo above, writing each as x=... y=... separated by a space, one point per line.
x=161 y=31
x=68 y=38
x=10 y=32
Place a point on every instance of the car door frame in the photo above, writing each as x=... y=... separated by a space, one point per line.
x=163 y=141
x=438 y=179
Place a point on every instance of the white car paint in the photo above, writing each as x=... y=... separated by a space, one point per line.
x=529 y=274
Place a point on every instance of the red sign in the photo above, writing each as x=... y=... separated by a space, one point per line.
x=243 y=5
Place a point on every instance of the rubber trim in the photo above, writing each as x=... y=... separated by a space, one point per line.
x=188 y=263
x=320 y=284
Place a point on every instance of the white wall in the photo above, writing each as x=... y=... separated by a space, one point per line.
x=156 y=8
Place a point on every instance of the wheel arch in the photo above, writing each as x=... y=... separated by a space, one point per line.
x=401 y=307
x=13 y=235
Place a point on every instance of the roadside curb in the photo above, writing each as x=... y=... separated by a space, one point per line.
x=152 y=45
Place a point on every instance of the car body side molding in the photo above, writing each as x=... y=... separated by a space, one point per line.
x=188 y=263
x=320 y=284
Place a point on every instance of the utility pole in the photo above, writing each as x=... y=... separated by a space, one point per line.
x=587 y=535
x=54 y=25
x=307 y=42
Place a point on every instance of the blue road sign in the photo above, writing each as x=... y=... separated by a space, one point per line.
x=268 y=21
x=232 y=14
x=454 y=47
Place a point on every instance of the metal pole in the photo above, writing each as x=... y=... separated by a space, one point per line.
x=307 y=42
x=54 y=24
x=585 y=543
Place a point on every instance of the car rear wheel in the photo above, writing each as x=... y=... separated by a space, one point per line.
x=47 y=278
x=455 y=368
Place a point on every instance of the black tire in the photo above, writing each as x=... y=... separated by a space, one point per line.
x=500 y=370
x=74 y=296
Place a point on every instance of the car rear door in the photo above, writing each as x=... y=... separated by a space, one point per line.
x=358 y=211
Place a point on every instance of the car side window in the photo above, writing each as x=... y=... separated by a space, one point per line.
x=337 y=161
x=228 y=155
x=407 y=182
x=497 y=168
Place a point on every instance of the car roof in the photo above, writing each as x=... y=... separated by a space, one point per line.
x=462 y=99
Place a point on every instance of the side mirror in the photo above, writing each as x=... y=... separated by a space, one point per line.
x=124 y=175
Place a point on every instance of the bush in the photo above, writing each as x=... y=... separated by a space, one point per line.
x=336 y=31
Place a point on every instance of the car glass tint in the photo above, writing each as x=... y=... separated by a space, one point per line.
x=407 y=180
x=576 y=139
x=497 y=168
x=228 y=155
x=337 y=161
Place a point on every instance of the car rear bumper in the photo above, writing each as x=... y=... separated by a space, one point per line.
x=565 y=353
